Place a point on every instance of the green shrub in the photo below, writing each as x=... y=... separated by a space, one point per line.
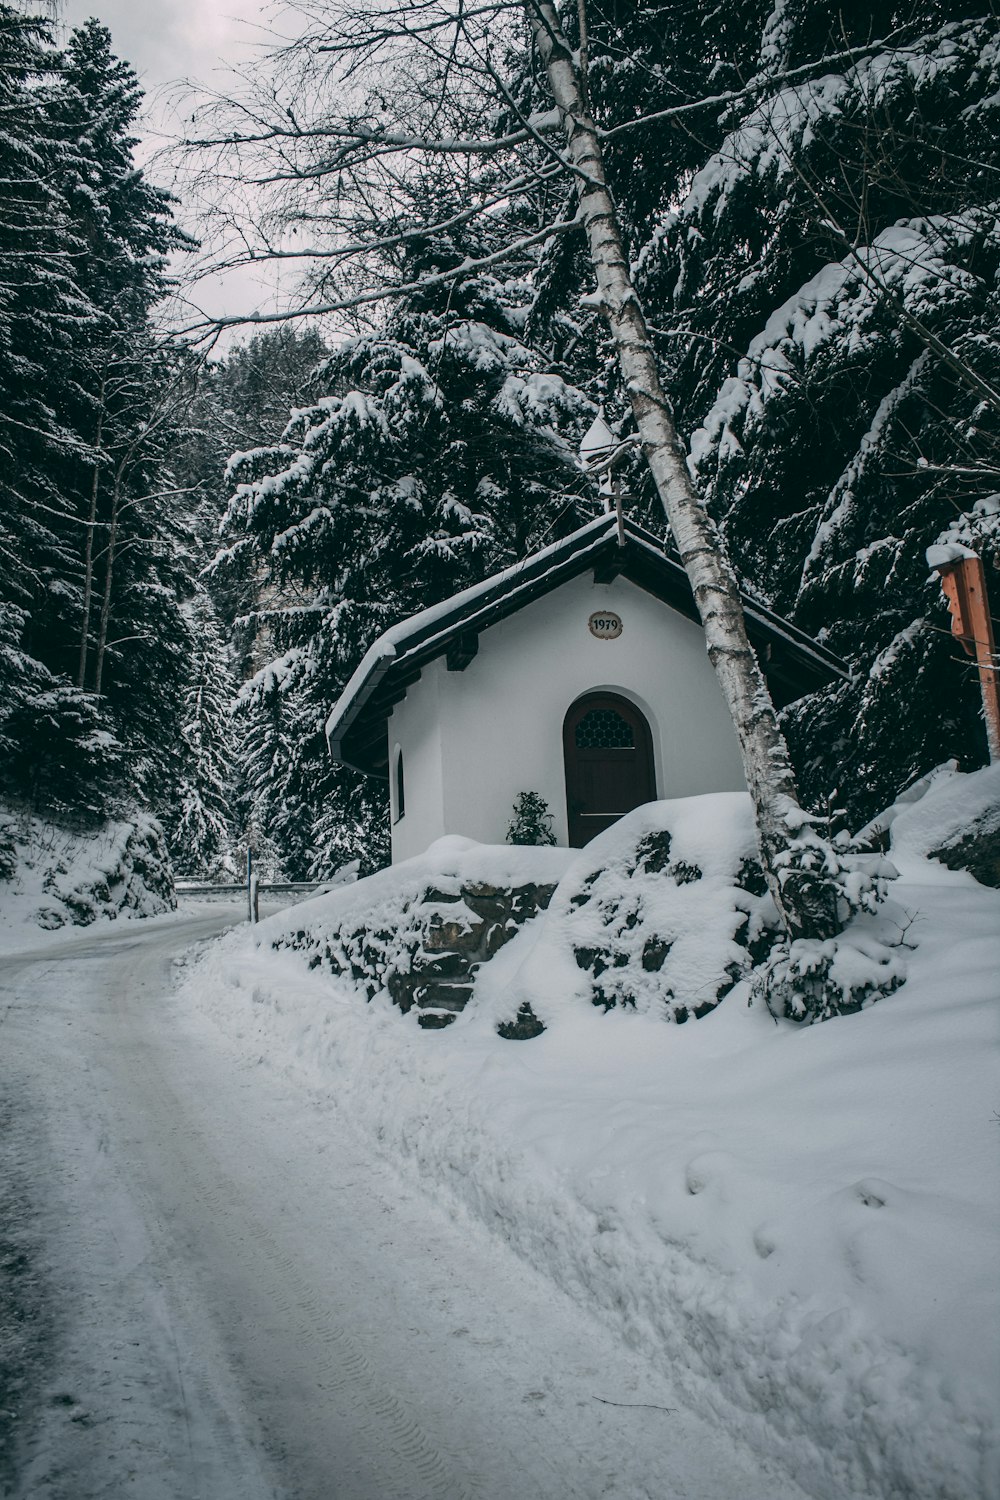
x=532 y=821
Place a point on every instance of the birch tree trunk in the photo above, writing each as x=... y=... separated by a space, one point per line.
x=806 y=901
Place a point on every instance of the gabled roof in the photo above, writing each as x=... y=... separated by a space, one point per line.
x=793 y=663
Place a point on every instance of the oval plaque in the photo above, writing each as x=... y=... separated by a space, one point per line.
x=606 y=625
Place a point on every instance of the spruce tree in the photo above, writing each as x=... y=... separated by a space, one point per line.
x=94 y=642
x=239 y=403
x=199 y=820
x=44 y=317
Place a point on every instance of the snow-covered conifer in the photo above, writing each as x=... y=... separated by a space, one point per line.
x=198 y=819
x=91 y=585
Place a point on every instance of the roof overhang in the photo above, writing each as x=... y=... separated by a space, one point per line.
x=792 y=662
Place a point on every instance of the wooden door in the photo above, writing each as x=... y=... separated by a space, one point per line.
x=608 y=751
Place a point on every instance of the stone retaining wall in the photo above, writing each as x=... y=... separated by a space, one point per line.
x=428 y=962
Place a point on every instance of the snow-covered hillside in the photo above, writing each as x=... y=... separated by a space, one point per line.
x=801 y=1223
x=52 y=878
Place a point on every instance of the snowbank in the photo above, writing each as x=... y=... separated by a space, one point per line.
x=955 y=814
x=659 y=915
x=51 y=878
x=801 y=1223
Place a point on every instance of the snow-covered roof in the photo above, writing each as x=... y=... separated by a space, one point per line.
x=356 y=729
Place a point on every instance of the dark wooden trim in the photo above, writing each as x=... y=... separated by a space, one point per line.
x=462 y=649
x=607 y=569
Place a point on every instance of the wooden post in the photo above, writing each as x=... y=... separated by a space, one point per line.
x=963 y=580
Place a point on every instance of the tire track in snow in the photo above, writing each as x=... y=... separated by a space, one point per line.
x=123 y=1406
x=409 y=1464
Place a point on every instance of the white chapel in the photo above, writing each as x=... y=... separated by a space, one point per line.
x=579 y=673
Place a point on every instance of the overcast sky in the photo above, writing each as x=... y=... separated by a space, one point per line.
x=168 y=41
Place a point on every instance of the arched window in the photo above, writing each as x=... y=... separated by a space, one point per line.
x=608 y=752
x=400 y=786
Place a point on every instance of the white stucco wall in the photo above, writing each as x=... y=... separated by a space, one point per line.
x=472 y=740
x=415 y=728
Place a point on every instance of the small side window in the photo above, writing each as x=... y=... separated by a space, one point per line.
x=400 y=787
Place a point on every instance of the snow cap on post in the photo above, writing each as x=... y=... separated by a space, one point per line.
x=598 y=446
x=598 y=441
x=942 y=554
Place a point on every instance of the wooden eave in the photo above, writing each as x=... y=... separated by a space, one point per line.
x=792 y=662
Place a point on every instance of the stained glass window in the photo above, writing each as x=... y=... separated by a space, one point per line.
x=604 y=729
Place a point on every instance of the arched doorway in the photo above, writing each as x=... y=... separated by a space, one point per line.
x=608 y=751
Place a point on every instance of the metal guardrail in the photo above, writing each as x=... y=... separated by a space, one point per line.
x=254 y=886
x=190 y=888
x=252 y=891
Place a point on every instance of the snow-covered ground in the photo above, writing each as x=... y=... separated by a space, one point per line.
x=796 y=1226
x=217 y=1287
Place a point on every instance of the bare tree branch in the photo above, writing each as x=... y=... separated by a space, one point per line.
x=390 y=290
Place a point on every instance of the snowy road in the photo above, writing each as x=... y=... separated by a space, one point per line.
x=217 y=1289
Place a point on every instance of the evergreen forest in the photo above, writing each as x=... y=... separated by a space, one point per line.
x=198 y=547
